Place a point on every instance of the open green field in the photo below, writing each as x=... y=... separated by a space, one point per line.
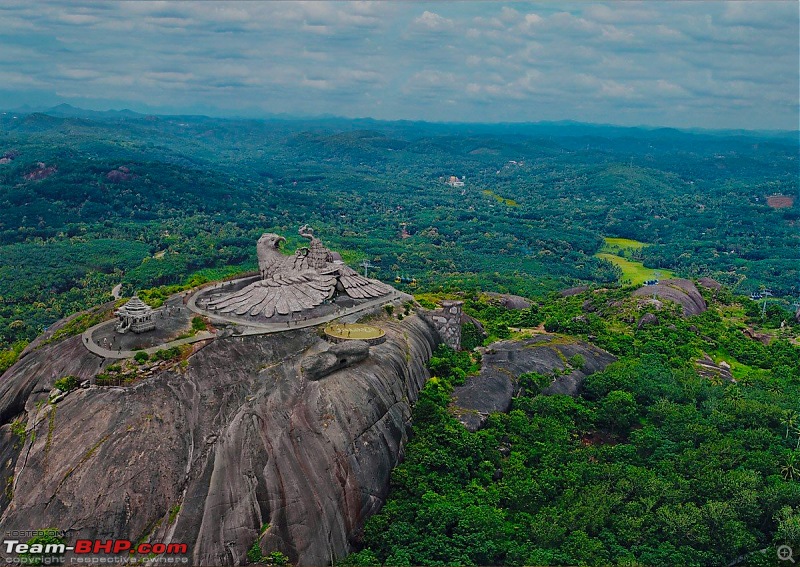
x=617 y=245
x=635 y=272
x=616 y=251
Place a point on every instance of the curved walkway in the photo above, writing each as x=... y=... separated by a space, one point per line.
x=93 y=347
x=247 y=330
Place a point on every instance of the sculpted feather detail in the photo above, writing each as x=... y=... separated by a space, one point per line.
x=291 y=284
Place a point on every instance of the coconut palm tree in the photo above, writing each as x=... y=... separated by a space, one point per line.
x=790 y=470
x=789 y=419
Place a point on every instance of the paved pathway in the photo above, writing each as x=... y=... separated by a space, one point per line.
x=247 y=330
x=108 y=353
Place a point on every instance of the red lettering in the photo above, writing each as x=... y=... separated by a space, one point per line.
x=177 y=548
x=121 y=545
x=103 y=546
x=116 y=546
x=159 y=548
x=83 y=546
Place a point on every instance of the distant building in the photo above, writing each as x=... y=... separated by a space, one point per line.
x=454 y=181
x=135 y=316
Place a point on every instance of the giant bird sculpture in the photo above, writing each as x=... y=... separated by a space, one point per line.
x=290 y=284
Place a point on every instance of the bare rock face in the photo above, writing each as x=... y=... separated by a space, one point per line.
x=710 y=283
x=707 y=368
x=119 y=175
x=570 y=291
x=503 y=362
x=763 y=338
x=339 y=356
x=510 y=301
x=680 y=291
x=209 y=454
x=43 y=171
x=797 y=315
x=647 y=319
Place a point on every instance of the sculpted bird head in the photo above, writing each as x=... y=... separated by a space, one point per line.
x=270 y=240
x=269 y=254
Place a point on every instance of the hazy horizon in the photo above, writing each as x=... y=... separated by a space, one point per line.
x=705 y=65
x=44 y=109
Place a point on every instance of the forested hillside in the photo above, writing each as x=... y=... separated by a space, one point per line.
x=89 y=200
x=658 y=461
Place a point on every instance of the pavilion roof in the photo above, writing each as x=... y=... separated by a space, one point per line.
x=134 y=306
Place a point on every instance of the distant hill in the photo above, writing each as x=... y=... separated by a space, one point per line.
x=66 y=110
x=560 y=128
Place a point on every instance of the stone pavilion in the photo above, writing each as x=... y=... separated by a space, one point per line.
x=135 y=316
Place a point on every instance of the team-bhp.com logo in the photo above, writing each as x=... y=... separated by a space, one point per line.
x=90 y=551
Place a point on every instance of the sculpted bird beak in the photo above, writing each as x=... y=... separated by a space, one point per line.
x=278 y=241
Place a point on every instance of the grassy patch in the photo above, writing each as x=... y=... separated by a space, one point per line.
x=619 y=251
x=156 y=296
x=9 y=356
x=617 y=245
x=78 y=325
x=738 y=370
x=635 y=272
x=500 y=199
x=19 y=428
x=431 y=300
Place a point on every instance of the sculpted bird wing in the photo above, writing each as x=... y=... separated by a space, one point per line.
x=284 y=292
x=359 y=287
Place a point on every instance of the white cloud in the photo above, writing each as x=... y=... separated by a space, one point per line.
x=634 y=62
x=532 y=19
x=432 y=21
x=78 y=74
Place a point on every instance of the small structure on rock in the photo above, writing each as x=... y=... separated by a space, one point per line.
x=341 y=332
x=447 y=322
x=135 y=316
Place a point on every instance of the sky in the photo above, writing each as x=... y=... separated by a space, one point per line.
x=680 y=64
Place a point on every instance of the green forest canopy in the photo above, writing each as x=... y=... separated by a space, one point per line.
x=147 y=201
x=653 y=464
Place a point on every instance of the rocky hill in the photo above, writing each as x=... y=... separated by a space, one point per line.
x=503 y=363
x=288 y=441
x=681 y=291
x=234 y=447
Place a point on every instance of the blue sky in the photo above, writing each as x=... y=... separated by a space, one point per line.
x=683 y=64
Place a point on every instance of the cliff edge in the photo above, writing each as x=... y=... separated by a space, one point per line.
x=234 y=447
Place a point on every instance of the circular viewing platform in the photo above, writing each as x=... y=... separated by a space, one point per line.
x=340 y=332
